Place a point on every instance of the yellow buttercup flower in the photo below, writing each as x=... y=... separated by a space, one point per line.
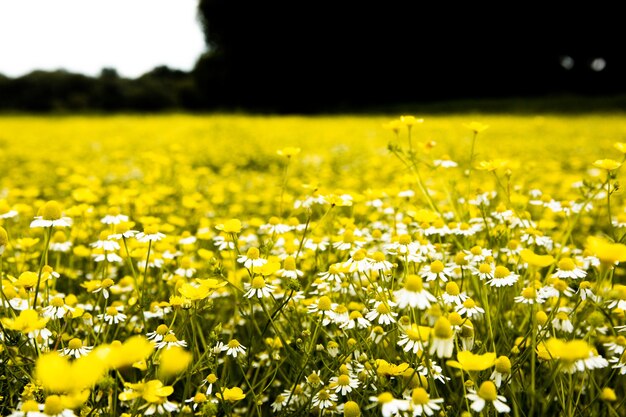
x=469 y=361
x=607 y=252
x=231 y=394
x=476 y=127
x=230 y=226
x=608 y=164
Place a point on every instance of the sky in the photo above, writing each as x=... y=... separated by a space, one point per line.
x=84 y=36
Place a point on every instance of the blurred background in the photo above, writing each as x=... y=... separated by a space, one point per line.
x=306 y=57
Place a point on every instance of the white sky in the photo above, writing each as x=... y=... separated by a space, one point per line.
x=84 y=36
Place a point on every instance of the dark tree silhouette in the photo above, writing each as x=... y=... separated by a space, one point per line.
x=300 y=56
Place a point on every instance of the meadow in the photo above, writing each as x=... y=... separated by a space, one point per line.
x=226 y=265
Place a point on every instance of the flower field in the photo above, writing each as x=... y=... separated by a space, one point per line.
x=232 y=265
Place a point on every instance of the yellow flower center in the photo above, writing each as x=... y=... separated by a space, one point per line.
x=378 y=256
x=151 y=229
x=503 y=365
x=455 y=319
x=385 y=397
x=476 y=250
x=170 y=338
x=567 y=264
x=53 y=405
x=382 y=309
x=529 y=293
x=420 y=396
x=112 y=311
x=484 y=268
x=211 y=379
x=199 y=398
x=233 y=344
x=413 y=283
x=253 y=253
x=359 y=255
x=343 y=380
x=443 y=329
x=30 y=405
x=56 y=302
x=258 y=283
x=469 y=303
x=289 y=264
x=51 y=210
x=452 y=288
x=351 y=409
x=436 y=267
x=324 y=303
x=404 y=239
x=501 y=272
x=323 y=395
x=488 y=391
x=75 y=343
x=162 y=329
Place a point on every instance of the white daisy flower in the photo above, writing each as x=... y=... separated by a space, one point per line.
x=487 y=393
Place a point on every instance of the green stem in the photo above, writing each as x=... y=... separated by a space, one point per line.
x=42 y=261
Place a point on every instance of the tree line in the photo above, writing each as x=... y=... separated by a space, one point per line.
x=305 y=56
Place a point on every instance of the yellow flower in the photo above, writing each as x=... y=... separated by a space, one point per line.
x=608 y=164
x=533 y=259
x=607 y=252
x=152 y=391
x=410 y=120
x=491 y=165
x=231 y=394
x=119 y=355
x=288 y=151
x=173 y=361
x=476 y=127
x=194 y=293
x=28 y=321
x=469 y=361
x=57 y=374
x=230 y=226
x=569 y=351
x=620 y=146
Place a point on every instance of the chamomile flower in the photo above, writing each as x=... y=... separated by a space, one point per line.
x=343 y=384
x=453 y=295
x=414 y=338
x=289 y=269
x=502 y=371
x=487 y=393
x=170 y=340
x=150 y=234
x=161 y=331
x=379 y=263
x=356 y=320
x=56 y=309
x=252 y=258
x=567 y=268
x=334 y=274
x=436 y=270
x=234 y=348
x=209 y=381
x=470 y=309
x=75 y=348
x=324 y=399
x=112 y=316
x=443 y=338
x=413 y=294
x=502 y=277
x=50 y=215
x=382 y=312
x=114 y=216
x=390 y=406
x=421 y=404
x=259 y=288
x=529 y=295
